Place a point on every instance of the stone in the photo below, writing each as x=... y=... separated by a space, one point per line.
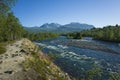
x=6 y=57
x=13 y=55
x=1 y=74
x=16 y=52
x=11 y=45
x=1 y=62
x=15 y=61
x=1 y=58
x=6 y=54
x=8 y=72
x=17 y=45
x=23 y=51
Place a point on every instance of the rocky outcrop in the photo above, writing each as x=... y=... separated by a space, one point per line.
x=24 y=61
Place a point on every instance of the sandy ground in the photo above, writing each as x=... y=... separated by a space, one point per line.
x=10 y=61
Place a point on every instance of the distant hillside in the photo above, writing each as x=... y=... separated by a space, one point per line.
x=54 y=27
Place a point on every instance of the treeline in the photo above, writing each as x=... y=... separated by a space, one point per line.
x=108 y=33
x=10 y=27
x=40 y=35
x=74 y=35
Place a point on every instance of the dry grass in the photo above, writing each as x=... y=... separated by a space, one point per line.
x=2 y=46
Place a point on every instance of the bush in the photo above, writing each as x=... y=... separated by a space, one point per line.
x=2 y=50
x=114 y=76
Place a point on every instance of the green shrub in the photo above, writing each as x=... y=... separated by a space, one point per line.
x=2 y=50
x=53 y=56
x=3 y=44
x=114 y=76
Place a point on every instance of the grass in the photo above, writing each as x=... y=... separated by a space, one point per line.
x=3 y=44
x=2 y=50
x=114 y=76
x=53 y=56
x=43 y=67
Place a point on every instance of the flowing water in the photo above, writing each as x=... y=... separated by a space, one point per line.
x=77 y=61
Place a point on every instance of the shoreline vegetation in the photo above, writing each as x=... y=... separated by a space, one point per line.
x=40 y=35
x=107 y=33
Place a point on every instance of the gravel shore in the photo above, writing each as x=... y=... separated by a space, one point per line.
x=89 y=45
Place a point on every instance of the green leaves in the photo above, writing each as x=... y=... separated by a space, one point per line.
x=108 y=33
x=2 y=50
x=114 y=76
x=74 y=35
x=6 y=5
x=10 y=28
x=40 y=36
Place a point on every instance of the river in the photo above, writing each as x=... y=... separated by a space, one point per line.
x=76 y=61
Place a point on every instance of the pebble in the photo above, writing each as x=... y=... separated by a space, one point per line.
x=1 y=74
x=1 y=58
x=15 y=60
x=22 y=51
x=6 y=54
x=6 y=57
x=8 y=72
x=16 y=52
x=1 y=62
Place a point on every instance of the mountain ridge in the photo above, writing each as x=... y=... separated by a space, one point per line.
x=55 y=27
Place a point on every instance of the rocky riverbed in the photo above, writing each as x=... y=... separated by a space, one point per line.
x=89 y=45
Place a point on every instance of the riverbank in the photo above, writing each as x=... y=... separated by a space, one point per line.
x=89 y=45
x=17 y=63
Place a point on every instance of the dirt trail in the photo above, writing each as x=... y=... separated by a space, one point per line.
x=10 y=61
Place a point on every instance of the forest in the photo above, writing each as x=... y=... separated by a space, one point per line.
x=40 y=35
x=107 y=33
x=11 y=29
x=74 y=35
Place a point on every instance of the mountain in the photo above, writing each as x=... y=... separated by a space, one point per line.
x=54 y=27
x=75 y=25
x=51 y=25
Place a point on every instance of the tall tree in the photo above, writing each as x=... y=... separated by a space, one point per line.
x=6 y=5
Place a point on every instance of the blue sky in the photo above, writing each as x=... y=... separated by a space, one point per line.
x=96 y=12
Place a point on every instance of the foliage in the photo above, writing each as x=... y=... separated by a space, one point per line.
x=10 y=27
x=5 y=6
x=40 y=36
x=114 y=76
x=43 y=67
x=74 y=35
x=2 y=46
x=93 y=74
x=108 y=33
x=2 y=50
x=53 y=56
